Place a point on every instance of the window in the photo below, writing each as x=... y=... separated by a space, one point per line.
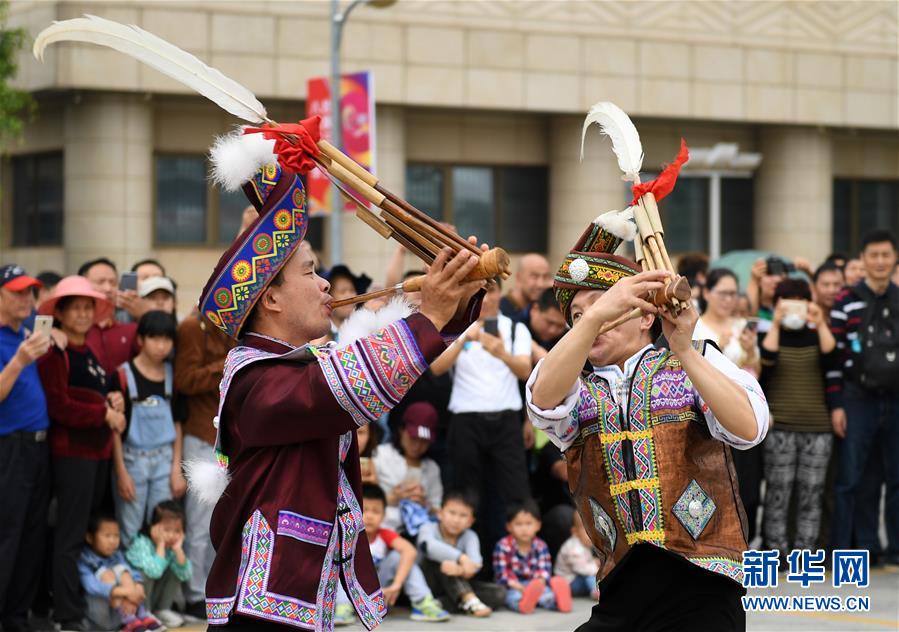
x=710 y=213
x=181 y=200
x=860 y=206
x=37 y=199
x=502 y=205
x=190 y=210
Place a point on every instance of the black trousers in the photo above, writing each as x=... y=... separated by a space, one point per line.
x=24 y=498
x=487 y=453
x=80 y=486
x=652 y=590
x=492 y=595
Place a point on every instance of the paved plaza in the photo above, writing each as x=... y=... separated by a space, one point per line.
x=884 y=614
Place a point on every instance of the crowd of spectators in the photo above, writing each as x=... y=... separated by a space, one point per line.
x=466 y=506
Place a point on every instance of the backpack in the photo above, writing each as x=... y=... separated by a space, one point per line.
x=878 y=358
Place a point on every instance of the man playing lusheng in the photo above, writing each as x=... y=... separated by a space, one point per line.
x=646 y=433
x=287 y=527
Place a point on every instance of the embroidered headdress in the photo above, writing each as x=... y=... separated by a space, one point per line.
x=592 y=263
x=248 y=161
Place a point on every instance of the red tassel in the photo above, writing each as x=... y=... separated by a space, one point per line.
x=294 y=154
x=664 y=184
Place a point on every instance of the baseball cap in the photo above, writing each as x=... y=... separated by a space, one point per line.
x=148 y=286
x=13 y=278
x=420 y=421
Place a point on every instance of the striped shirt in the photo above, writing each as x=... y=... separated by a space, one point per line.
x=846 y=318
x=793 y=379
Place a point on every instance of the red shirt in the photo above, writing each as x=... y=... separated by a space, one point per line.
x=114 y=344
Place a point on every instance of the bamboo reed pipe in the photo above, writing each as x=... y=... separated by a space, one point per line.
x=490 y=265
x=354 y=168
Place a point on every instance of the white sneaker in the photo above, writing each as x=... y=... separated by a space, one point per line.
x=169 y=618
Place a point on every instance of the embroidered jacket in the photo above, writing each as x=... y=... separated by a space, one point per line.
x=287 y=527
x=649 y=463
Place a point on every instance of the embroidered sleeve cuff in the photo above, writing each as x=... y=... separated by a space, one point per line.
x=559 y=423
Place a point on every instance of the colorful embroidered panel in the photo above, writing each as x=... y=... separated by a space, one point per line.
x=370 y=608
x=721 y=565
x=264 y=250
x=371 y=375
x=254 y=599
x=694 y=509
x=304 y=528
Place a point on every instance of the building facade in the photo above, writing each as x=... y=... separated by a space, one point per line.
x=791 y=108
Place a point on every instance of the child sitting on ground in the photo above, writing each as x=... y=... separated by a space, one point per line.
x=114 y=593
x=576 y=563
x=450 y=556
x=158 y=553
x=521 y=562
x=394 y=559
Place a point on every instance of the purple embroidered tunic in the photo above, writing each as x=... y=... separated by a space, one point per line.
x=287 y=527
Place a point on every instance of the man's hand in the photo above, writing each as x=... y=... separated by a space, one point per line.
x=115 y=420
x=679 y=331
x=493 y=345
x=31 y=349
x=838 y=421
x=125 y=487
x=131 y=303
x=451 y=568
x=391 y=593
x=625 y=295
x=445 y=286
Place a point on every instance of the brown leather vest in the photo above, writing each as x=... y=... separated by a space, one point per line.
x=655 y=475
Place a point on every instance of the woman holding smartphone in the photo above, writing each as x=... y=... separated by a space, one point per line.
x=82 y=420
x=797 y=352
x=736 y=337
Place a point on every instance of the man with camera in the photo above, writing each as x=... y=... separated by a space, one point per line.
x=24 y=458
x=486 y=436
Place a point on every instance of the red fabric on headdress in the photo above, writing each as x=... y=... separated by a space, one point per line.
x=664 y=184
x=293 y=154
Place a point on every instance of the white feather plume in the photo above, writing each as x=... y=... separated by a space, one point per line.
x=364 y=322
x=619 y=223
x=615 y=124
x=236 y=157
x=159 y=54
x=206 y=481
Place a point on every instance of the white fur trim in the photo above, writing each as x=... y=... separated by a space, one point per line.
x=363 y=322
x=618 y=223
x=236 y=157
x=206 y=481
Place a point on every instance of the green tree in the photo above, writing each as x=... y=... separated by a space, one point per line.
x=15 y=105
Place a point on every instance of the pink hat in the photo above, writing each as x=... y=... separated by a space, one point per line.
x=77 y=286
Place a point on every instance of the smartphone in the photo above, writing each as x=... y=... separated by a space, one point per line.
x=775 y=266
x=795 y=306
x=752 y=324
x=491 y=326
x=43 y=325
x=128 y=281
